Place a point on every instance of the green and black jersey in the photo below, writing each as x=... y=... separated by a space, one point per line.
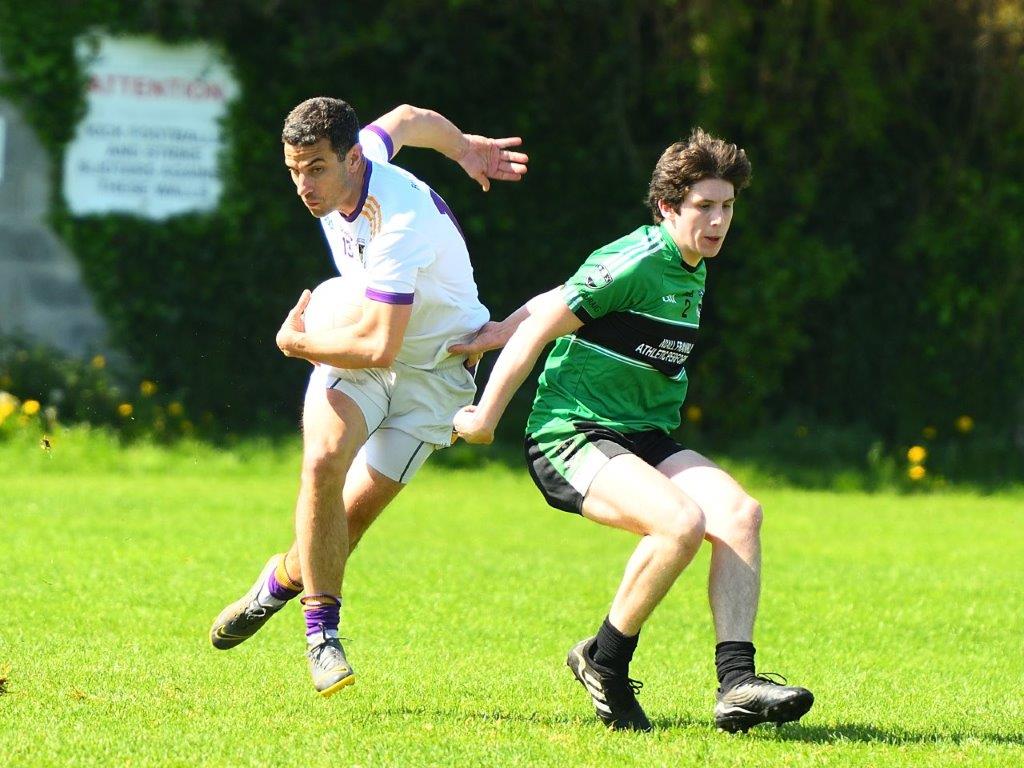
x=624 y=369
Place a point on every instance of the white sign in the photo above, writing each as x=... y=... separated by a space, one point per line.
x=149 y=142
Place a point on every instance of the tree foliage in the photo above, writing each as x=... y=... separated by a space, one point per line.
x=874 y=272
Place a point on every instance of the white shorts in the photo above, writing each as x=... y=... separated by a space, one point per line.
x=408 y=411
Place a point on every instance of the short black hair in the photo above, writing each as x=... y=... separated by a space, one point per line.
x=322 y=118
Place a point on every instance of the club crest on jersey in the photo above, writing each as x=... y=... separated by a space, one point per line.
x=599 y=278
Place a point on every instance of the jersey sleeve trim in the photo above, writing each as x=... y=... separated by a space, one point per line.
x=387 y=297
x=574 y=301
x=362 y=195
x=385 y=137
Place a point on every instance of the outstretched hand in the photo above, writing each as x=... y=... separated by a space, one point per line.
x=293 y=326
x=485 y=159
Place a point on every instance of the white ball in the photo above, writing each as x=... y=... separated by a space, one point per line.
x=334 y=303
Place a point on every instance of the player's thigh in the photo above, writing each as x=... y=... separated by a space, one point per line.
x=629 y=494
x=724 y=501
x=396 y=454
x=368 y=491
x=333 y=419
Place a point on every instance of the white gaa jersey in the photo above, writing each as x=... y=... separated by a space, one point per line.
x=404 y=246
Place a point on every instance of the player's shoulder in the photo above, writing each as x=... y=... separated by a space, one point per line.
x=637 y=245
x=376 y=143
x=394 y=182
x=634 y=254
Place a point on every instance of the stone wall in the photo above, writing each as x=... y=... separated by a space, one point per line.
x=42 y=296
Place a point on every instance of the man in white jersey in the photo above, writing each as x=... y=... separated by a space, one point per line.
x=385 y=387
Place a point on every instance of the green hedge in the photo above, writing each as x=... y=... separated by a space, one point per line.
x=873 y=276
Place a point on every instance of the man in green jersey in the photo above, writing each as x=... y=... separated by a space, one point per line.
x=598 y=439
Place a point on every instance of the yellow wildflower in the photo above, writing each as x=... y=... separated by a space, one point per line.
x=30 y=407
x=147 y=388
x=964 y=424
x=694 y=414
x=125 y=409
x=916 y=472
x=8 y=405
x=175 y=409
x=917 y=454
x=99 y=362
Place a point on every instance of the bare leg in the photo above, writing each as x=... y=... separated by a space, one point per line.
x=734 y=530
x=629 y=494
x=333 y=431
x=367 y=492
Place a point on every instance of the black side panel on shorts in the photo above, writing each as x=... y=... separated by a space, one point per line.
x=653 y=445
x=557 y=492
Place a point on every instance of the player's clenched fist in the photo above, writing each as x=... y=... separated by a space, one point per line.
x=472 y=428
x=293 y=327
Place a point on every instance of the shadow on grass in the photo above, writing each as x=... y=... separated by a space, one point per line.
x=850 y=732
x=818 y=734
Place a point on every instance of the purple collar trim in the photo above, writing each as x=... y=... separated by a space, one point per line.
x=362 y=195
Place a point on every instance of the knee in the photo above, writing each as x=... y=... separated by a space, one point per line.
x=684 y=525
x=747 y=516
x=324 y=462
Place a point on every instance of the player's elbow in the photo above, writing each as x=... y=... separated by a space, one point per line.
x=404 y=112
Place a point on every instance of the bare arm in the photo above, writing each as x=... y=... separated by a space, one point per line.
x=481 y=158
x=549 y=318
x=495 y=335
x=371 y=342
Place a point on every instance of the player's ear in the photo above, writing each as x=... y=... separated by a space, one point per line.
x=353 y=156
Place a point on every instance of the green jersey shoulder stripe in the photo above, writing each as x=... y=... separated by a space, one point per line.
x=624 y=258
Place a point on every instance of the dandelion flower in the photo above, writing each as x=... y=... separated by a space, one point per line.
x=917 y=454
x=916 y=472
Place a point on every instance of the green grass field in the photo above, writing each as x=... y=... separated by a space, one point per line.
x=902 y=613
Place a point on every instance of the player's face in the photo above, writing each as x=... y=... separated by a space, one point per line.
x=700 y=224
x=323 y=181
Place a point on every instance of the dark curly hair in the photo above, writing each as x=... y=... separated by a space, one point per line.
x=700 y=157
x=322 y=118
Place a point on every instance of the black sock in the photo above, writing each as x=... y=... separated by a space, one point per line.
x=613 y=649
x=734 y=661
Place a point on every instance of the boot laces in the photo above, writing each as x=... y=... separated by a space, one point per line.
x=771 y=678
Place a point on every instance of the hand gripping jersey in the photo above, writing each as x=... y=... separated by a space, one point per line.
x=403 y=245
x=624 y=369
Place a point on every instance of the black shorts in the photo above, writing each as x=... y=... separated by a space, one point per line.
x=564 y=465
